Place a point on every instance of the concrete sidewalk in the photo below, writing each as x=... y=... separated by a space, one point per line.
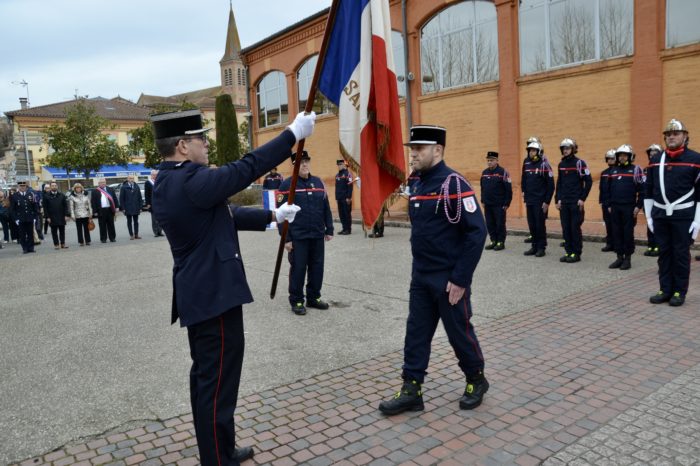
x=596 y=377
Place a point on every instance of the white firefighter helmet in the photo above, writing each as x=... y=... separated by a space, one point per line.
x=535 y=145
x=625 y=149
x=568 y=142
x=655 y=147
x=610 y=154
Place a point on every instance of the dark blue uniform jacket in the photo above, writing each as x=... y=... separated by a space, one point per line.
x=23 y=208
x=537 y=182
x=604 y=188
x=190 y=203
x=437 y=244
x=130 y=198
x=496 y=187
x=314 y=220
x=625 y=185
x=272 y=181
x=681 y=175
x=343 y=185
x=574 y=180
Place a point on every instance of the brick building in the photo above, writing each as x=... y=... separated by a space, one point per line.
x=604 y=72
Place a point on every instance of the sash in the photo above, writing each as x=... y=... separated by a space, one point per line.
x=109 y=198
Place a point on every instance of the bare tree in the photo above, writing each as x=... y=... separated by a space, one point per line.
x=615 y=28
x=573 y=36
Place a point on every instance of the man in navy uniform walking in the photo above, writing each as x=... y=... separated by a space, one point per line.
x=496 y=195
x=209 y=283
x=537 y=184
x=672 y=209
x=343 y=196
x=447 y=238
x=24 y=210
x=305 y=242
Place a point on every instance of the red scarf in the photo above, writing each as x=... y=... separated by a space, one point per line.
x=109 y=198
x=675 y=153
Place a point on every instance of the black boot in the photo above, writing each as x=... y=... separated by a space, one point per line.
x=474 y=392
x=530 y=252
x=660 y=297
x=626 y=262
x=409 y=398
x=676 y=300
x=499 y=247
x=528 y=239
x=617 y=263
x=607 y=248
x=490 y=246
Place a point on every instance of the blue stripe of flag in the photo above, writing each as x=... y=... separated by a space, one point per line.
x=343 y=53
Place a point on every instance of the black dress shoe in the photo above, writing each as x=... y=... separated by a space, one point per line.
x=474 y=393
x=540 y=253
x=490 y=246
x=530 y=252
x=607 y=248
x=317 y=303
x=243 y=453
x=528 y=239
x=344 y=233
x=375 y=235
x=499 y=247
x=409 y=398
x=618 y=262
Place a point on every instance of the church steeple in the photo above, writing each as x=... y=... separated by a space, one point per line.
x=233 y=72
x=233 y=43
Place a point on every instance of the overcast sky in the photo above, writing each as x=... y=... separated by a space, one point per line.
x=126 y=47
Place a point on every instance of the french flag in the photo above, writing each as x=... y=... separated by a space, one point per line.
x=358 y=76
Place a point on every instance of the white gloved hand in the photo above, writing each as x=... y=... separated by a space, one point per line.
x=303 y=125
x=286 y=212
x=17 y=222
x=695 y=226
x=648 y=205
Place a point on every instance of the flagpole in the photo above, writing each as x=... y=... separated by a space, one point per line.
x=300 y=146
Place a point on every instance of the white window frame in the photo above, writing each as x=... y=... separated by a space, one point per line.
x=668 y=30
x=282 y=92
x=547 y=38
x=475 y=66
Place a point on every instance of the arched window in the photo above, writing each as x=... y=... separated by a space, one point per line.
x=228 y=77
x=459 y=46
x=555 y=33
x=272 y=100
x=304 y=77
x=397 y=47
x=681 y=22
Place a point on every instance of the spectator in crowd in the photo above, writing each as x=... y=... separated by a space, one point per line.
x=130 y=202
x=5 y=216
x=81 y=213
x=343 y=196
x=148 y=188
x=44 y=219
x=104 y=206
x=14 y=229
x=56 y=211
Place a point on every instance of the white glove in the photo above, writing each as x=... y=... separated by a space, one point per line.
x=648 y=205
x=286 y=212
x=303 y=125
x=17 y=222
x=695 y=226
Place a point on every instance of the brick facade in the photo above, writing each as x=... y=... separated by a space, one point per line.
x=601 y=104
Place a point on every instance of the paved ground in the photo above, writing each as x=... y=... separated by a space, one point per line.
x=577 y=358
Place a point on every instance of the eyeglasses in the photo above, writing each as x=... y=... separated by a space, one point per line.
x=200 y=136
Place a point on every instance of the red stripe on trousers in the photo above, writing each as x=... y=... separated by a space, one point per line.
x=218 y=384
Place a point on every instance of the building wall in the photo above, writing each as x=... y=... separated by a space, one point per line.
x=602 y=104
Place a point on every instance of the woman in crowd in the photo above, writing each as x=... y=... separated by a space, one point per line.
x=81 y=213
x=5 y=216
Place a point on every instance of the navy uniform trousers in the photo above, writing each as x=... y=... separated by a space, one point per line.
x=216 y=347
x=607 y=219
x=623 y=228
x=307 y=254
x=428 y=303
x=571 y=220
x=495 y=222
x=345 y=214
x=26 y=236
x=536 y=224
x=674 y=242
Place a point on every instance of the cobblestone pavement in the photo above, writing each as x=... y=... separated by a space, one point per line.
x=600 y=377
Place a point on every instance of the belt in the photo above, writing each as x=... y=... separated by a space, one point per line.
x=678 y=204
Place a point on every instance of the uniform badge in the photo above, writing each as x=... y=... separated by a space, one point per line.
x=469 y=204
x=280 y=198
x=587 y=171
